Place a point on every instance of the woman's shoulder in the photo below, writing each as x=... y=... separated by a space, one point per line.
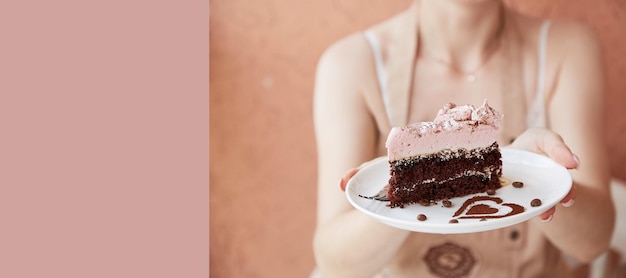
x=562 y=33
x=354 y=47
x=346 y=58
x=355 y=44
x=571 y=36
x=572 y=45
x=349 y=59
x=346 y=48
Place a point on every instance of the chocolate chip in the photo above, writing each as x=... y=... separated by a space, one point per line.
x=424 y=202
x=446 y=203
x=518 y=184
x=535 y=203
x=454 y=221
x=422 y=217
x=491 y=191
x=483 y=219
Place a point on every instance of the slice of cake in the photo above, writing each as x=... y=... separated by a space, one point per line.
x=453 y=156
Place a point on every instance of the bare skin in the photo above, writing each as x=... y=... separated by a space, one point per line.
x=457 y=37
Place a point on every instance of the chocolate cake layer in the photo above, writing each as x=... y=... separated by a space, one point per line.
x=444 y=175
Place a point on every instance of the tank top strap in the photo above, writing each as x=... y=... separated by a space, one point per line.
x=537 y=112
x=381 y=74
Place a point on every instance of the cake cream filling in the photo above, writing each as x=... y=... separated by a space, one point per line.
x=448 y=154
x=487 y=173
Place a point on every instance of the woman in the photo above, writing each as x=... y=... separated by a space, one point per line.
x=545 y=77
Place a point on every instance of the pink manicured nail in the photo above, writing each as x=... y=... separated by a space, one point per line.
x=547 y=219
x=577 y=161
x=568 y=203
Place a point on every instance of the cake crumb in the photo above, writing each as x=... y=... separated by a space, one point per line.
x=504 y=181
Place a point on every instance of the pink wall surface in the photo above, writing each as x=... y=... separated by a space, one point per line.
x=262 y=151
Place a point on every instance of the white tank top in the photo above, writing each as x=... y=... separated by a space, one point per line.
x=536 y=116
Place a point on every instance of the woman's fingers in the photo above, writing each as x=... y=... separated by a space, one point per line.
x=346 y=177
x=547 y=215
x=546 y=142
x=568 y=200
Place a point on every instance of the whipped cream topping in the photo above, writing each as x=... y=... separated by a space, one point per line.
x=454 y=127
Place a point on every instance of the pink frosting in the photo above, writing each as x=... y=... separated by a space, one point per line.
x=454 y=127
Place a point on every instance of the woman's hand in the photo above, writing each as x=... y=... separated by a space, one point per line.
x=549 y=143
x=350 y=173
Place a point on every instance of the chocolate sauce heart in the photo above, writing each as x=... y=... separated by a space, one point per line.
x=482 y=209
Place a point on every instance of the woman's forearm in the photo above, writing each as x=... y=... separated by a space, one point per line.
x=354 y=245
x=583 y=230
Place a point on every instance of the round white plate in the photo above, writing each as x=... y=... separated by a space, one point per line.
x=543 y=179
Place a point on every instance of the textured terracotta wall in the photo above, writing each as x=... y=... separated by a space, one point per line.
x=262 y=179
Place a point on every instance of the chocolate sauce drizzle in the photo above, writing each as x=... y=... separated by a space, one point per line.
x=479 y=211
x=380 y=196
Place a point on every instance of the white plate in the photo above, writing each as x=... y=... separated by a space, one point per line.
x=543 y=179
